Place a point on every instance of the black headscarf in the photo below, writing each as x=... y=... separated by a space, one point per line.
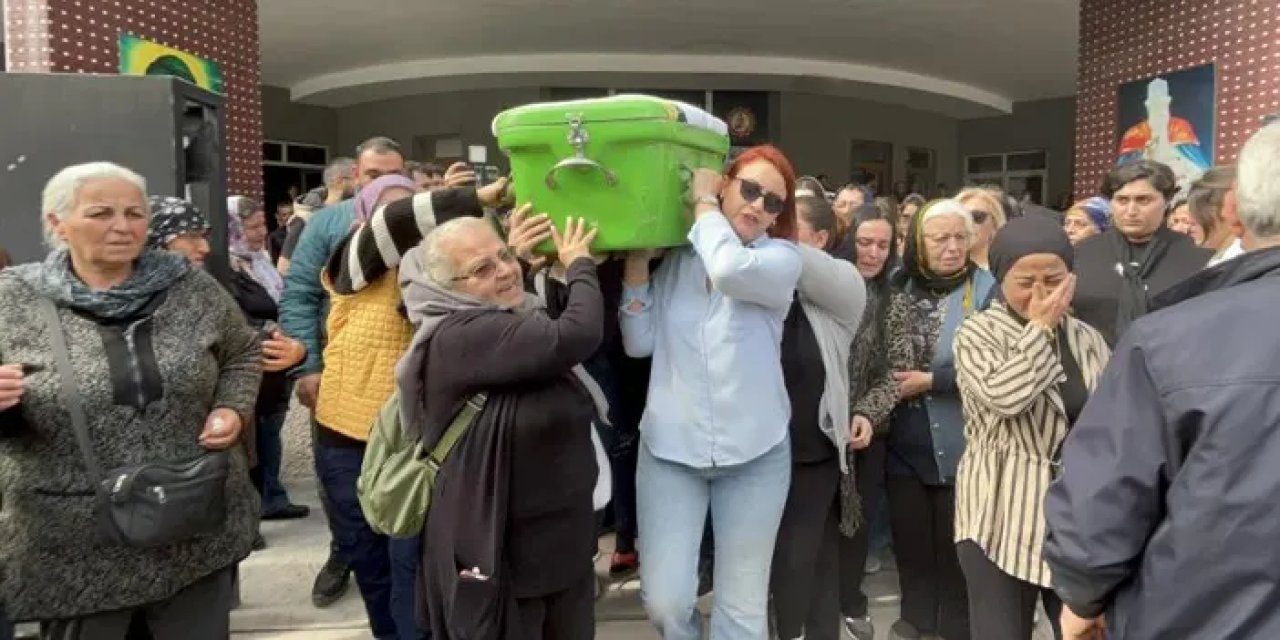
x=172 y=217
x=914 y=261
x=1026 y=236
x=1030 y=235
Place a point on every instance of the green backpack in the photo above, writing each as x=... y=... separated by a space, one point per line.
x=396 y=480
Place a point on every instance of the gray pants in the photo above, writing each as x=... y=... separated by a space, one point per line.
x=202 y=611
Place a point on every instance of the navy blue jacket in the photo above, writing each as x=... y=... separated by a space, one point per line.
x=1165 y=516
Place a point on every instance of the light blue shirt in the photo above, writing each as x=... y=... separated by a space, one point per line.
x=712 y=319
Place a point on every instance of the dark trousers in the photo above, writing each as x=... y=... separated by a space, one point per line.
x=934 y=598
x=1002 y=607
x=324 y=497
x=386 y=568
x=266 y=475
x=564 y=615
x=804 y=579
x=202 y=611
x=624 y=381
x=869 y=467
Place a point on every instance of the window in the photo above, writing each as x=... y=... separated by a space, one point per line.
x=306 y=154
x=294 y=154
x=273 y=151
x=1020 y=173
x=922 y=173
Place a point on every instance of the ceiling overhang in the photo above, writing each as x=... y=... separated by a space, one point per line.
x=390 y=80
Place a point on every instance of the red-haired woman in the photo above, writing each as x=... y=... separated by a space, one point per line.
x=714 y=432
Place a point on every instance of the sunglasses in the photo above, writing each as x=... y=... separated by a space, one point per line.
x=751 y=191
x=979 y=217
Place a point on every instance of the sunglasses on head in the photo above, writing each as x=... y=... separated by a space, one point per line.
x=750 y=190
x=979 y=217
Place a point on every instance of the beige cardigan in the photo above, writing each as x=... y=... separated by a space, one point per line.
x=1015 y=420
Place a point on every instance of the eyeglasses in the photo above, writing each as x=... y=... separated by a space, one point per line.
x=750 y=190
x=979 y=216
x=486 y=268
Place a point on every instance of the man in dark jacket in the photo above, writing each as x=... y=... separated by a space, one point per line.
x=1165 y=515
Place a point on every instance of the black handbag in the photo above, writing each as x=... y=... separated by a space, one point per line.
x=149 y=504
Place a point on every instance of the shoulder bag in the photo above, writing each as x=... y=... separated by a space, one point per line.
x=149 y=504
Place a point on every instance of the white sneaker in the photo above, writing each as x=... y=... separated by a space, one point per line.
x=874 y=564
x=859 y=629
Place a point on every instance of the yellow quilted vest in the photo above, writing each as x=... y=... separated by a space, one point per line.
x=367 y=335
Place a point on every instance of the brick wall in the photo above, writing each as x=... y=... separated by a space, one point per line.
x=81 y=36
x=1126 y=40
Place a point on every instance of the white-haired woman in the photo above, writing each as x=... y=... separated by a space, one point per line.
x=165 y=368
x=940 y=287
x=507 y=550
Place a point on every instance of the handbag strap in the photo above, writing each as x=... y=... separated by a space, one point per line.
x=461 y=422
x=70 y=396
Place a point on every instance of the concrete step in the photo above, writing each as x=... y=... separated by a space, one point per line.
x=275 y=583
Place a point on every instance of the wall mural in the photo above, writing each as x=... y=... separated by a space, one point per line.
x=1169 y=119
x=1122 y=42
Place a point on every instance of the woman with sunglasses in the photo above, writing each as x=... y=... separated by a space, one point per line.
x=715 y=429
x=988 y=216
x=940 y=286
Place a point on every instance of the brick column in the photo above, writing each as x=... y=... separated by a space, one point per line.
x=81 y=36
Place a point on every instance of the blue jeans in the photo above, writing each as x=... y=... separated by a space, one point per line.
x=386 y=569
x=270 y=453
x=406 y=553
x=746 y=503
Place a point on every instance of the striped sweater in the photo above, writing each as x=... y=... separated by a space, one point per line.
x=1008 y=375
x=376 y=247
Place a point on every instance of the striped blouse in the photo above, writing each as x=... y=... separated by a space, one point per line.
x=1008 y=374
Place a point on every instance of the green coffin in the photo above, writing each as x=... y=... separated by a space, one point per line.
x=622 y=162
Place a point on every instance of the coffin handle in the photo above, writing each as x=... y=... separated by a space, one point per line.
x=580 y=162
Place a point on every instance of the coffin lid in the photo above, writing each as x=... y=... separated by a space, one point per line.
x=619 y=108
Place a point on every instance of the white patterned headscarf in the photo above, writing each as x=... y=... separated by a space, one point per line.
x=257 y=264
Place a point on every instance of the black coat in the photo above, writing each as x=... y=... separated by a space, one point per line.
x=1099 y=285
x=514 y=497
x=1165 y=514
x=259 y=309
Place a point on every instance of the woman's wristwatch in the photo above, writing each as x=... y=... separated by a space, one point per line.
x=708 y=200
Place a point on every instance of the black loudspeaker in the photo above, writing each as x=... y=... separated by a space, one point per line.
x=166 y=129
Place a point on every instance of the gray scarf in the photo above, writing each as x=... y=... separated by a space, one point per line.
x=154 y=271
x=428 y=304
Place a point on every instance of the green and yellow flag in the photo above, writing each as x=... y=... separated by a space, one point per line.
x=139 y=57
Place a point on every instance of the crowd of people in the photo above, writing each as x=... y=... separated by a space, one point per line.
x=1027 y=399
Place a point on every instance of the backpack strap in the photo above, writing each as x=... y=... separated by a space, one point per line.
x=461 y=422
